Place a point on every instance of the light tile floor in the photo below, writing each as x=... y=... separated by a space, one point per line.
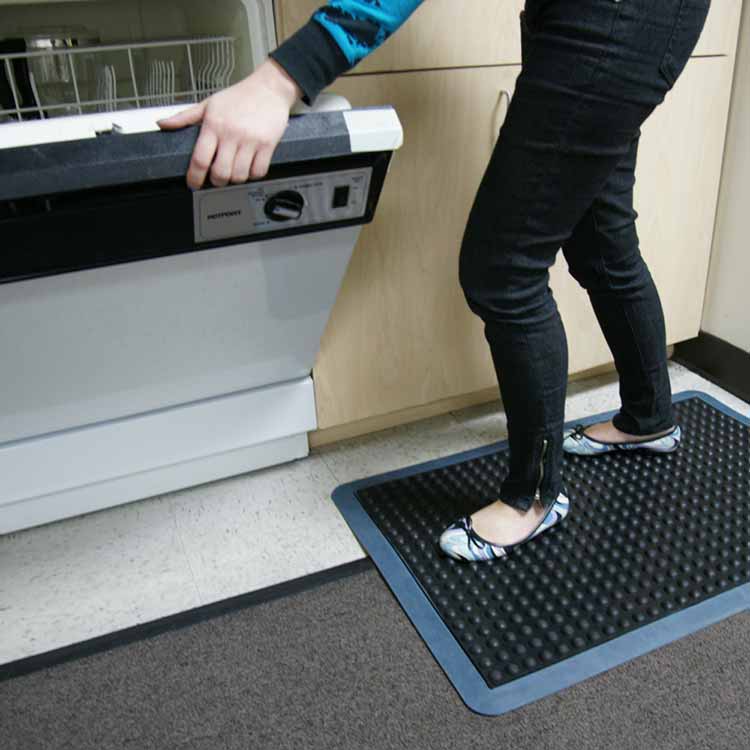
x=87 y=576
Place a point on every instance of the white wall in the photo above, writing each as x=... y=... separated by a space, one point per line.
x=726 y=313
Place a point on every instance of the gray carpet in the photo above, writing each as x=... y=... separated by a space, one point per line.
x=340 y=666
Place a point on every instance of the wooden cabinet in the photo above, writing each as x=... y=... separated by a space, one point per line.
x=719 y=35
x=484 y=32
x=678 y=177
x=400 y=333
x=438 y=35
x=401 y=341
x=677 y=182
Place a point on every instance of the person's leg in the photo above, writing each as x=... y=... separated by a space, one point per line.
x=590 y=78
x=603 y=255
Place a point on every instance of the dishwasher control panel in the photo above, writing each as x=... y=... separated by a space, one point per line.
x=291 y=202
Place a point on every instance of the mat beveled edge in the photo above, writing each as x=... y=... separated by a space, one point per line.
x=451 y=657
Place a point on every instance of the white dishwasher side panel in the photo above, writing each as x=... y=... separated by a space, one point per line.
x=84 y=347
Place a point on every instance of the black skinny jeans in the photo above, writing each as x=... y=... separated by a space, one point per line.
x=561 y=176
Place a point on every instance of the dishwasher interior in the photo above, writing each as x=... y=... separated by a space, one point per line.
x=68 y=58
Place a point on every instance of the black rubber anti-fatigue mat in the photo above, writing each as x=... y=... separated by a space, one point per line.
x=648 y=535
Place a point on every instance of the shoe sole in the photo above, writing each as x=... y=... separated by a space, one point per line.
x=622 y=450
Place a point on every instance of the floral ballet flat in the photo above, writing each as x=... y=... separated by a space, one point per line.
x=576 y=441
x=462 y=542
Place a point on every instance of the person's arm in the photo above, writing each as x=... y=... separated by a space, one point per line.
x=337 y=37
x=242 y=125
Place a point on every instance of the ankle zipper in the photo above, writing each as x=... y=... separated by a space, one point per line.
x=538 y=492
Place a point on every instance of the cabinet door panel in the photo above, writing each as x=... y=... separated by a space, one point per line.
x=400 y=333
x=719 y=35
x=677 y=181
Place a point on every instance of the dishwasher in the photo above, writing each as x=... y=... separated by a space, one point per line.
x=151 y=337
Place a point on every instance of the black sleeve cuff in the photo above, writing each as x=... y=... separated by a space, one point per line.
x=312 y=58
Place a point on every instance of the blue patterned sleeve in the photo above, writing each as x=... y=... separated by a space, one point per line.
x=337 y=37
x=361 y=26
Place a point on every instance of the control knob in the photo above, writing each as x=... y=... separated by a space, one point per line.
x=285 y=206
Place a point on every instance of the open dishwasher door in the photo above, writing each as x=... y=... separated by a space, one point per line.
x=154 y=338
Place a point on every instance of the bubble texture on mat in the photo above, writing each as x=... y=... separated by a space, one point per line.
x=647 y=536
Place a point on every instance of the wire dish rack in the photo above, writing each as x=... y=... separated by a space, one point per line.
x=107 y=77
